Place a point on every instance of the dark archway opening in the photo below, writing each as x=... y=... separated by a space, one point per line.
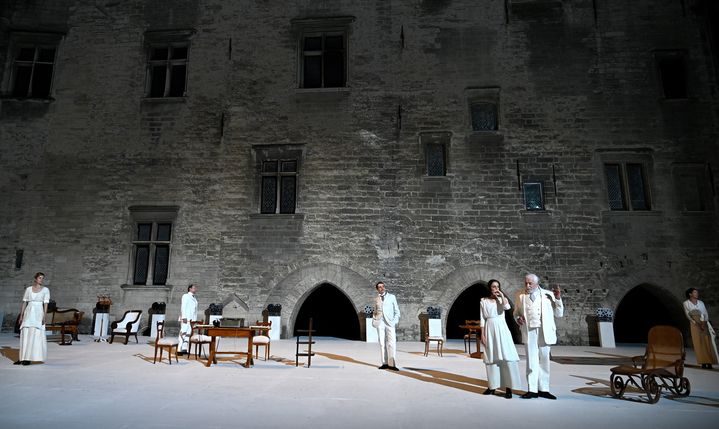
x=332 y=313
x=643 y=307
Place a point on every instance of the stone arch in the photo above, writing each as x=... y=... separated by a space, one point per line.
x=292 y=291
x=446 y=290
x=643 y=306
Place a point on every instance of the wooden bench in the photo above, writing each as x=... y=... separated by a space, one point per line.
x=66 y=321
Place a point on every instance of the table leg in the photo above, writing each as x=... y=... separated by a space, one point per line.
x=250 y=361
x=211 y=357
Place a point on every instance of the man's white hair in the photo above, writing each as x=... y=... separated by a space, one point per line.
x=534 y=277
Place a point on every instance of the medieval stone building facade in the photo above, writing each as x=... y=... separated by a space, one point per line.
x=296 y=152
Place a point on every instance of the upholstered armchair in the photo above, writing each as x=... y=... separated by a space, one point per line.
x=128 y=325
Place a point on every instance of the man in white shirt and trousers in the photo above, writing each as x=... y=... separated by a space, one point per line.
x=535 y=313
x=188 y=313
x=385 y=319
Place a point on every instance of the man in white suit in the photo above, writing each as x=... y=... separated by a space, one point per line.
x=385 y=319
x=188 y=313
x=535 y=313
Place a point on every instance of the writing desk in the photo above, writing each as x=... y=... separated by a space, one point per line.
x=235 y=332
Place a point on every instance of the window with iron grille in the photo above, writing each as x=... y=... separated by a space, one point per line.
x=435 y=154
x=167 y=70
x=278 y=186
x=151 y=252
x=484 y=116
x=324 y=60
x=627 y=187
x=533 y=195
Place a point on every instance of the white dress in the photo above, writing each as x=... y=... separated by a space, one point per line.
x=33 y=343
x=500 y=345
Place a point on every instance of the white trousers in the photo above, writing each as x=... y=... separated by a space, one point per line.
x=387 y=343
x=503 y=374
x=537 y=361
x=184 y=337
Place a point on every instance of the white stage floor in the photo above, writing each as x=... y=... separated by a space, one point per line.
x=100 y=385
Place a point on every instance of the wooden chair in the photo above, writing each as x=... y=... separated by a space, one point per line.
x=162 y=343
x=128 y=325
x=661 y=367
x=262 y=340
x=428 y=338
x=471 y=336
x=198 y=339
x=308 y=342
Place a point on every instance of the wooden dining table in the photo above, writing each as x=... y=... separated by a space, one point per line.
x=477 y=330
x=216 y=332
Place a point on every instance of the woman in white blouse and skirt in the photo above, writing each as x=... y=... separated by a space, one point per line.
x=703 y=337
x=33 y=344
x=500 y=355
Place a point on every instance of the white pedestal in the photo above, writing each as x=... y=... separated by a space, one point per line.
x=371 y=331
x=606 y=334
x=153 y=324
x=276 y=327
x=102 y=325
x=435 y=328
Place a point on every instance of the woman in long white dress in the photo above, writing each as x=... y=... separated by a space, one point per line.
x=500 y=355
x=33 y=344
x=703 y=336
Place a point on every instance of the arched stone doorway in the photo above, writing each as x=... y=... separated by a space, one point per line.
x=641 y=308
x=465 y=307
x=332 y=313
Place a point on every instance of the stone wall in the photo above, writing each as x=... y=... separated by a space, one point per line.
x=576 y=81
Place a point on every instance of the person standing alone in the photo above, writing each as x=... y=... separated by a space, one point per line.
x=385 y=319
x=188 y=313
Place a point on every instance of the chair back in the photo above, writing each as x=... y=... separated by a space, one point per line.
x=133 y=317
x=472 y=322
x=665 y=348
x=263 y=332
x=424 y=327
x=160 y=329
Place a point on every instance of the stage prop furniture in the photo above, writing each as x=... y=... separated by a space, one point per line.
x=198 y=339
x=431 y=338
x=215 y=332
x=262 y=340
x=128 y=325
x=162 y=343
x=473 y=333
x=308 y=342
x=66 y=321
x=660 y=368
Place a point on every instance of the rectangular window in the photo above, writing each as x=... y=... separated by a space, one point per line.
x=151 y=243
x=435 y=156
x=167 y=70
x=484 y=116
x=279 y=186
x=627 y=186
x=324 y=60
x=672 y=74
x=533 y=196
x=32 y=59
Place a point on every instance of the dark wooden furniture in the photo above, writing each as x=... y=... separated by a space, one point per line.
x=474 y=332
x=429 y=339
x=660 y=368
x=162 y=343
x=197 y=338
x=66 y=321
x=128 y=325
x=308 y=342
x=262 y=340
x=237 y=332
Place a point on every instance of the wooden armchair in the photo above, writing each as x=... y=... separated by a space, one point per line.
x=198 y=339
x=162 y=343
x=128 y=325
x=66 y=321
x=429 y=338
x=263 y=339
x=661 y=366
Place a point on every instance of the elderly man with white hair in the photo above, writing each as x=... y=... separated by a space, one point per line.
x=535 y=313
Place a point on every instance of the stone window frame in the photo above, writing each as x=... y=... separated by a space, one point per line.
x=661 y=59
x=170 y=40
x=527 y=186
x=313 y=27
x=36 y=41
x=154 y=215
x=704 y=197
x=622 y=159
x=431 y=138
x=483 y=95
x=277 y=152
